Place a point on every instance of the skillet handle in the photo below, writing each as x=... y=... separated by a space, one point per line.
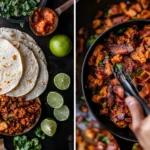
x=64 y=7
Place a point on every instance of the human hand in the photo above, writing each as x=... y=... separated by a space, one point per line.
x=140 y=123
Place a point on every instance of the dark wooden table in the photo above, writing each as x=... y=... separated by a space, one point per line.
x=86 y=10
x=63 y=138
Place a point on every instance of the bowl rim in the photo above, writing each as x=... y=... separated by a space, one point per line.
x=84 y=65
x=25 y=19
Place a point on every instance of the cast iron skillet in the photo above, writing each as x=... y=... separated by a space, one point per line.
x=26 y=18
x=126 y=133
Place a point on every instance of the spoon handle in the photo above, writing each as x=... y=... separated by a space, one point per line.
x=64 y=7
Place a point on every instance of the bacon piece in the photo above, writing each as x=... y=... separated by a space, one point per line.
x=111 y=146
x=110 y=97
x=118 y=19
x=146 y=67
x=129 y=120
x=117 y=89
x=145 y=32
x=122 y=49
x=128 y=64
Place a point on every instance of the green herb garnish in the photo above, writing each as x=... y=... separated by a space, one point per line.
x=82 y=97
x=21 y=25
x=105 y=104
x=119 y=66
x=139 y=72
x=91 y=40
x=105 y=40
x=135 y=147
x=106 y=57
x=101 y=64
x=121 y=30
x=93 y=92
x=39 y=133
x=109 y=11
x=131 y=74
x=17 y=8
x=97 y=137
x=85 y=122
x=22 y=143
x=107 y=83
x=105 y=139
x=114 y=107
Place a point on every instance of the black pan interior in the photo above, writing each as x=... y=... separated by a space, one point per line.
x=122 y=133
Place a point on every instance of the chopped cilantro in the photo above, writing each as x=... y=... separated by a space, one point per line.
x=22 y=143
x=105 y=139
x=82 y=97
x=101 y=64
x=105 y=104
x=39 y=133
x=85 y=122
x=105 y=40
x=17 y=8
x=139 y=72
x=114 y=107
x=94 y=91
x=106 y=57
x=131 y=74
x=21 y=25
x=107 y=83
x=135 y=147
x=121 y=30
x=97 y=137
x=91 y=40
x=119 y=66
x=109 y=11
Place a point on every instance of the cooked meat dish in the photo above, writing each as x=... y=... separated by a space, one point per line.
x=16 y=115
x=103 y=140
x=129 y=48
x=111 y=15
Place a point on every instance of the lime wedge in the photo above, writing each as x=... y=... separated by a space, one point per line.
x=49 y=126
x=62 y=113
x=55 y=100
x=62 y=81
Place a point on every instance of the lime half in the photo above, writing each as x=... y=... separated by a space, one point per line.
x=55 y=100
x=49 y=127
x=62 y=113
x=62 y=81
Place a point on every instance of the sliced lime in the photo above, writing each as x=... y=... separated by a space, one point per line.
x=62 y=113
x=62 y=81
x=49 y=126
x=55 y=100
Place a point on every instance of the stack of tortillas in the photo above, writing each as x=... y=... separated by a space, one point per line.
x=23 y=70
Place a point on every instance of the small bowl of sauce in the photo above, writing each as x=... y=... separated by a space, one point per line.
x=43 y=21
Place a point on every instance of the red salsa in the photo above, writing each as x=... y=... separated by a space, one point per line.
x=43 y=20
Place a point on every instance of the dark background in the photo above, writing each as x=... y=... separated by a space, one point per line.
x=86 y=10
x=63 y=138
